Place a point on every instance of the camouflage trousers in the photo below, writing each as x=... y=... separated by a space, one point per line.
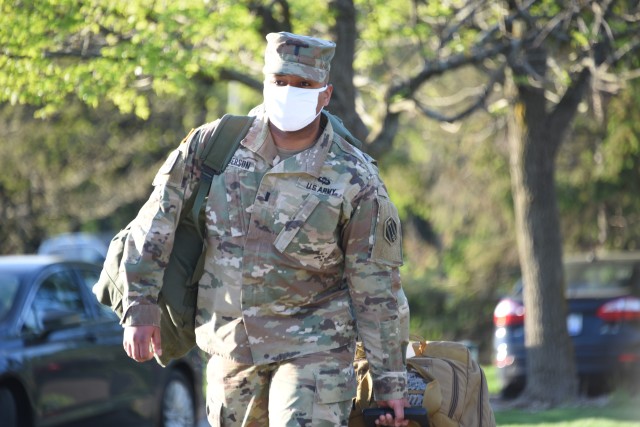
x=315 y=390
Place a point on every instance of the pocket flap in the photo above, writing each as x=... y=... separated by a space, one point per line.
x=292 y=227
x=339 y=391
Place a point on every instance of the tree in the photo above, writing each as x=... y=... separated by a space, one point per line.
x=581 y=43
x=540 y=59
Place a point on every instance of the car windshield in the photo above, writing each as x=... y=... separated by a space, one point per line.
x=603 y=278
x=9 y=285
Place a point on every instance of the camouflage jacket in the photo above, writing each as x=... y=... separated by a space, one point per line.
x=302 y=254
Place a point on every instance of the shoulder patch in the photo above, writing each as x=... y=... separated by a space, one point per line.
x=387 y=240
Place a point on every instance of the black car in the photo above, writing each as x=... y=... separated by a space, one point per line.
x=62 y=361
x=603 y=300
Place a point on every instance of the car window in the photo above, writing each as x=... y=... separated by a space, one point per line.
x=9 y=285
x=89 y=278
x=601 y=277
x=57 y=292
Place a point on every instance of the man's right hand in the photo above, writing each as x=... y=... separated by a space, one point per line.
x=141 y=342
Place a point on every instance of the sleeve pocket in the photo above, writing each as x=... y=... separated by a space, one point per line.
x=387 y=241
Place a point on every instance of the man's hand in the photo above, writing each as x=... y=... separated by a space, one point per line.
x=398 y=406
x=141 y=342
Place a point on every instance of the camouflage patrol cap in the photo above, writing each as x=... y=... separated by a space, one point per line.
x=304 y=56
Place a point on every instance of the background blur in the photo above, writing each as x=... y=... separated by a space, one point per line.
x=94 y=94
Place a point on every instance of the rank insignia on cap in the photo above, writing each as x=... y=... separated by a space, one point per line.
x=391 y=230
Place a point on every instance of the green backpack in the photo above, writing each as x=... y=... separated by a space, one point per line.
x=177 y=297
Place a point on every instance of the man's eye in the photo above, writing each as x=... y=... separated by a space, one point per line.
x=280 y=83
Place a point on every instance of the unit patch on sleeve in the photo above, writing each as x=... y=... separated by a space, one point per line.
x=391 y=230
x=387 y=242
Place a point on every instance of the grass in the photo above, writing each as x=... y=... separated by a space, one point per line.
x=492 y=379
x=617 y=410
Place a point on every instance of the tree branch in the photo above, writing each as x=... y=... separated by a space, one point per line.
x=562 y=115
x=407 y=88
x=479 y=103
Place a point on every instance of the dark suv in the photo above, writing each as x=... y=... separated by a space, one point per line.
x=603 y=300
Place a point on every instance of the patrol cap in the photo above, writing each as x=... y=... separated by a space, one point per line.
x=303 y=56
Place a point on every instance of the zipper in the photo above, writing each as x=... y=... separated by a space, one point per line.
x=481 y=400
x=454 y=391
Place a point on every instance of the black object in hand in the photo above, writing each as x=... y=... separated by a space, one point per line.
x=414 y=413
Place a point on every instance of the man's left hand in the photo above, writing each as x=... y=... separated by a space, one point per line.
x=398 y=406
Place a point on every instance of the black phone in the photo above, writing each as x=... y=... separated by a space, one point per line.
x=417 y=414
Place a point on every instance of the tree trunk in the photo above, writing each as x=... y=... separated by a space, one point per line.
x=551 y=377
x=343 y=100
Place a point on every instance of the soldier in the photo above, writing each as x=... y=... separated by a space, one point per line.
x=303 y=247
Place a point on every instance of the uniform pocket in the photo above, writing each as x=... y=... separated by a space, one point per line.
x=309 y=237
x=224 y=211
x=292 y=227
x=387 y=244
x=333 y=398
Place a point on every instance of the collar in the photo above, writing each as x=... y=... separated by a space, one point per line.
x=311 y=160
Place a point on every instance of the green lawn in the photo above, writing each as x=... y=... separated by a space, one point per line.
x=615 y=414
x=619 y=410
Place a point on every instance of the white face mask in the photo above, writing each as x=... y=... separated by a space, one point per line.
x=290 y=108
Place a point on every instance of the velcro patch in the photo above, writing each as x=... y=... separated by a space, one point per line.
x=387 y=244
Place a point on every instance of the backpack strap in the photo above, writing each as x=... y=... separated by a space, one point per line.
x=339 y=128
x=221 y=146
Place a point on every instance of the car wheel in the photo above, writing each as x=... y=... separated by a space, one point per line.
x=8 y=408
x=512 y=390
x=178 y=407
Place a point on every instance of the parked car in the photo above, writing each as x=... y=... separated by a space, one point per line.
x=603 y=302
x=79 y=246
x=62 y=361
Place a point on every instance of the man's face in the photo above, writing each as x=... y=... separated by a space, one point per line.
x=303 y=83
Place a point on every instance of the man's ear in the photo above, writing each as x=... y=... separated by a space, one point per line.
x=325 y=96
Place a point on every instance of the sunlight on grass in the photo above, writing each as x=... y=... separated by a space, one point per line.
x=492 y=379
x=617 y=410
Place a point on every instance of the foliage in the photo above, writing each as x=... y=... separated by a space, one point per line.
x=114 y=51
x=116 y=84
x=602 y=175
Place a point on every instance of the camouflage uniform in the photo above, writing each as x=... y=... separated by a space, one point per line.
x=299 y=252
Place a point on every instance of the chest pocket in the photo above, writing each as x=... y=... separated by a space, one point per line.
x=224 y=211
x=309 y=237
